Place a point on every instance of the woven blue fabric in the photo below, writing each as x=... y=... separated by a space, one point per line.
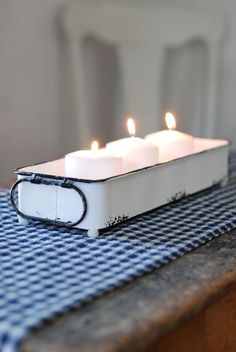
x=46 y=270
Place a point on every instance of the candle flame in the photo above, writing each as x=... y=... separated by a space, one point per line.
x=131 y=126
x=170 y=121
x=94 y=146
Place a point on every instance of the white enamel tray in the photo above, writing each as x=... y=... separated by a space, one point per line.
x=45 y=194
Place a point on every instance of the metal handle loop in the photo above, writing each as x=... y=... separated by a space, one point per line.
x=64 y=184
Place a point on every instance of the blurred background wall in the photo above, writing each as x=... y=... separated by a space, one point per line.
x=35 y=104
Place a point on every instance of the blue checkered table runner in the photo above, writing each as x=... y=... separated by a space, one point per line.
x=46 y=270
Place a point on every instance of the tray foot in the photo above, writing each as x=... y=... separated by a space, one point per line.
x=22 y=221
x=93 y=233
x=224 y=181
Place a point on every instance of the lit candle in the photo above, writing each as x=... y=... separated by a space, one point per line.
x=172 y=144
x=92 y=164
x=136 y=153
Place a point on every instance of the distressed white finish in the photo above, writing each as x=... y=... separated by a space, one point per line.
x=141 y=34
x=126 y=195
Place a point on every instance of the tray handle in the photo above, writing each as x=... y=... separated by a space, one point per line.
x=63 y=184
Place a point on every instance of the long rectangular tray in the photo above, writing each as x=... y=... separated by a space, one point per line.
x=46 y=194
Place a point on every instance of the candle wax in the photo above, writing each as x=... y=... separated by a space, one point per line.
x=172 y=144
x=92 y=164
x=136 y=153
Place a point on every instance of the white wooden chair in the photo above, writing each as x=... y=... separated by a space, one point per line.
x=141 y=35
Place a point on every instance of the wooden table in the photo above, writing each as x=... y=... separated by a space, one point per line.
x=186 y=305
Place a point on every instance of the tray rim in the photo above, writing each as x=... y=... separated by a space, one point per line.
x=18 y=171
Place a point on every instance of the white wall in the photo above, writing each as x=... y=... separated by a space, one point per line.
x=29 y=83
x=34 y=102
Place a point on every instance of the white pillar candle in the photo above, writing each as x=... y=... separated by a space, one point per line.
x=92 y=164
x=136 y=153
x=172 y=144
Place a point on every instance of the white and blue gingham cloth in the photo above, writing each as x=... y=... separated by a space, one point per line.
x=46 y=270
